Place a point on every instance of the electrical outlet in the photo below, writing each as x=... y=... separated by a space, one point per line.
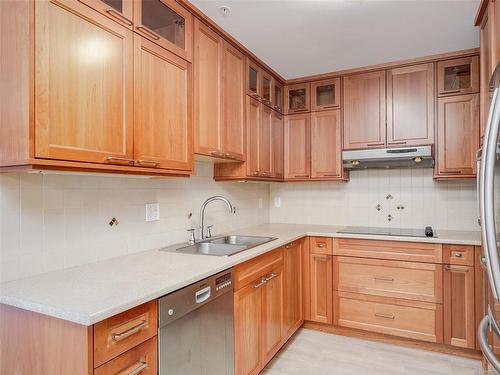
x=152 y=211
x=260 y=202
x=277 y=202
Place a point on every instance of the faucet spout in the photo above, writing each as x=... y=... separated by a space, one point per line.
x=204 y=206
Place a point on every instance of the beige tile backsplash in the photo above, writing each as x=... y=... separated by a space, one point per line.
x=56 y=221
x=443 y=204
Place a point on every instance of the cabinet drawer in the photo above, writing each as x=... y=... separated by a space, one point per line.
x=140 y=360
x=247 y=272
x=461 y=255
x=122 y=332
x=321 y=245
x=416 y=320
x=387 y=278
x=391 y=250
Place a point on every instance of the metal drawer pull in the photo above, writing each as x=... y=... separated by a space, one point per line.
x=140 y=368
x=385 y=316
x=115 y=159
x=384 y=278
x=155 y=163
x=271 y=276
x=148 y=32
x=375 y=144
x=456 y=268
x=458 y=255
x=260 y=283
x=290 y=245
x=452 y=172
x=120 y=17
x=128 y=332
x=321 y=245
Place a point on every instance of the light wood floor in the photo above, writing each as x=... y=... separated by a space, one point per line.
x=312 y=352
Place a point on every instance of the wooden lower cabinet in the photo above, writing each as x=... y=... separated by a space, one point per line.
x=293 y=311
x=272 y=315
x=321 y=288
x=459 y=323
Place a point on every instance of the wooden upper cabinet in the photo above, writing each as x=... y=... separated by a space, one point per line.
x=297 y=98
x=277 y=138
x=326 y=144
x=458 y=135
x=459 y=323
x=254 y=88
x=410 y=105
x=297 y=146
x=458 y=76
x=233 y=103
x=267 y=86
x=277 y=101
x=252 y=130
x=207 y=90
x=487 y=52
x=83 y=102
x=165 y=23
x=325 y=95
x=265 y=141
x=119 y=10
x=364 y=110
x=163 y=108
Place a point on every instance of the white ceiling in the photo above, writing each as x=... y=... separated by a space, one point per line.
x=304 y=37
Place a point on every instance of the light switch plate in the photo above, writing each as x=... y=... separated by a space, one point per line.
x=277 y=202
x=152 y=211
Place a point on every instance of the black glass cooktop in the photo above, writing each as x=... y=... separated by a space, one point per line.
x=398 y=232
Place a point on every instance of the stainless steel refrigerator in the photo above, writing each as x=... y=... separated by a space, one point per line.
x=488 y=181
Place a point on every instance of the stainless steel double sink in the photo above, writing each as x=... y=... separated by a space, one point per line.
x=226 y=245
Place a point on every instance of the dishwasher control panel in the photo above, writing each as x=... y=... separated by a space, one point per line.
x=224 y=281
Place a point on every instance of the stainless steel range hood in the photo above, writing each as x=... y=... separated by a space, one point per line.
x=405 y=157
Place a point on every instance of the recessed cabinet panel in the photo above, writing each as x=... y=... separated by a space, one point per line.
x=297 y=98
x=166 y=23
x=325 y=94
x=265 y=141
x=410 y=105
x=364 y=110
x=297 y=146
x=326 y=144
x=253 y=80
x=252 y=126
x=458 y=135
x=162 y=123
x=277 y=145
x=83 y=88
x=458 y=76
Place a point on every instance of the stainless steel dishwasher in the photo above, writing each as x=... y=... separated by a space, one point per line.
x=195 y=328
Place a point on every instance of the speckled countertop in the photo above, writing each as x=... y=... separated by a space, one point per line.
x=90 y=293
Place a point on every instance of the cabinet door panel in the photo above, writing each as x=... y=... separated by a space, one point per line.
x=325 y=94
x=233 y=102
x=364 y=110
x=272 y=314
x=458 y=135
x=326 y=145
x=277 y=138
x=162 y=107
x=207 y=89
x=265 y=141
x=410 y=105
x=458 y=76
x=459 y=306
x=247 y=329
x=321 y=288
x=83 y=84
x=297 y=98
x=297 y=146
x=293 y=306
x=252 y=126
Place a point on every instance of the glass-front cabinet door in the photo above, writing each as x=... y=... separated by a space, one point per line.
x=118 y=10
x=325 y=94
x=458 y=76
x=278 y=97
x=297 y=98
x=266 y=88
x=253 y=80
x=166 y=23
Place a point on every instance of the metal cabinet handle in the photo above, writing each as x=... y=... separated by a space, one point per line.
x=148 y=32
x=260 y=283
x=271 y=276
x=153 y=162
x=458 y=255
x=385 y=316
x=321 y=245
x=118 y=16
x=452 y=172
x=292 y=244
x=484 y=327
x=462 y=269
x=128 y=332
x=141 y=366
x=114 y=159
x=383 y=278
x=398 y=143
x=375 y=144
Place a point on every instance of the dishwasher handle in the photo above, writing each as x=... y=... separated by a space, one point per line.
x=203 y=294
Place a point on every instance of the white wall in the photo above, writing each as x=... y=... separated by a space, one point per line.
x=443 y=204
x=50 y=222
